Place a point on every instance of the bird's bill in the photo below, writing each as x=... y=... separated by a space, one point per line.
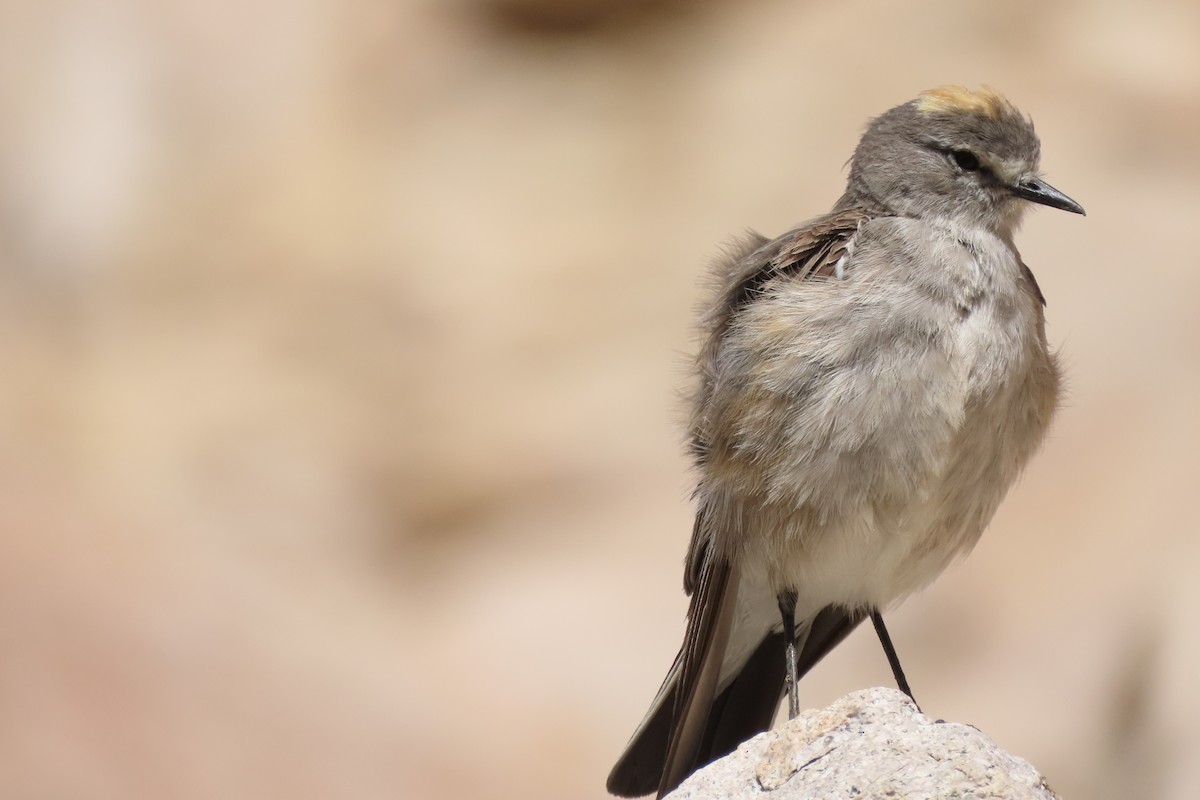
x=1038 y=191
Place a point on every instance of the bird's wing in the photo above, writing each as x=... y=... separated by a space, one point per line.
x=812 y=251
x=703 y=653
x=700 y=712
x=664 y=748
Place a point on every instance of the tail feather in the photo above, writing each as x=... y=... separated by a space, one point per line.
x=639 y=770
x=686 y=730
x=709 y=621
x=747 y=706
x=664 y=747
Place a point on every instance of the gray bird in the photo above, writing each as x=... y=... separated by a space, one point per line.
x=870 y=385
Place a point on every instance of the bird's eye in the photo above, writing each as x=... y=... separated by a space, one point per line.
x=965 y=160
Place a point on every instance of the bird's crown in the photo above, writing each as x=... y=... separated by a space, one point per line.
x=985 y=102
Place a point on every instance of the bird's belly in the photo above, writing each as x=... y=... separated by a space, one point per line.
x=900 y=535
x=867 y=562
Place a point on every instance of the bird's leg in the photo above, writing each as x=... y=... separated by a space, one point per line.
x=787 y=609
x=890 y=651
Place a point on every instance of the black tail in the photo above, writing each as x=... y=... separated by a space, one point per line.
x=694 y=721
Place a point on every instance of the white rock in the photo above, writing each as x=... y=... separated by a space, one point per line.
x=868 y=744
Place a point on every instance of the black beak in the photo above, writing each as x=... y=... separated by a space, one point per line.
x=1039 y=191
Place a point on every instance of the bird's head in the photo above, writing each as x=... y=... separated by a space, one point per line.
x=963 y=155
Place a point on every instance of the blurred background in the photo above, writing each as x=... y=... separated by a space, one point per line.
x=341 y=348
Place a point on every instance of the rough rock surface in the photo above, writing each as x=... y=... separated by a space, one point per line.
x=869 y=744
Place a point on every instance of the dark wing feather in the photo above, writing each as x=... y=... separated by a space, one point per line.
x=812 y=249
x=689 y=724
x=809 y=251
x=709 y=620
x=1037 y=290
x=664 y=748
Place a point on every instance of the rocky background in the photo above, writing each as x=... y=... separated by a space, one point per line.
x=341 y=347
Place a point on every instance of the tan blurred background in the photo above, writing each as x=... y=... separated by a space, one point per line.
x=340 y=348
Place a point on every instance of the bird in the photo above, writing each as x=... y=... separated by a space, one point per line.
x=868 y=386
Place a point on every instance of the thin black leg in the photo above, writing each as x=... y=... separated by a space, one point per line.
x=890 y=651
x=787 y=609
